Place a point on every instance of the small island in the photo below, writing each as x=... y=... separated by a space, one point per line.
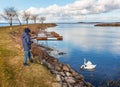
x=116 y=24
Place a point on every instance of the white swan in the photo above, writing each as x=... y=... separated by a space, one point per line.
x=88 y=65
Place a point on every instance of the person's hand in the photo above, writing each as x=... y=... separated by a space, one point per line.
x=32 y=42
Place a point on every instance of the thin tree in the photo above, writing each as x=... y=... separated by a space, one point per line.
x=34 y=18
x=26 y=16
x=42 y=19
x=18 y=18
x=0 y=16
x=9 y=14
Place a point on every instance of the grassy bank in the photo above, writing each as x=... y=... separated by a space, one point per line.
x=12 y=71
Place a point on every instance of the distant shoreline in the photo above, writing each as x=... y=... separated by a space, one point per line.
x=108 y=24
x=116 y=24
x=94 y=23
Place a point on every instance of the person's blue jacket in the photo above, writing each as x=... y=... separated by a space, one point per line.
x=26 y=42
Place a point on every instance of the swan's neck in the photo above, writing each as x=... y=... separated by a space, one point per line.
x=84 y=61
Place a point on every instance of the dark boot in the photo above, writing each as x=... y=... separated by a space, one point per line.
x=31 y=61
x=25 y=64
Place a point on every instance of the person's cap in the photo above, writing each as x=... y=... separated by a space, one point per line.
x=27 y=30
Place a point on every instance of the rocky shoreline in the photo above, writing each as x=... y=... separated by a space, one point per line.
x=65 y=75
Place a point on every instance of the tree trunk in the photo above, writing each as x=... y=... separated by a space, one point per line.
x=27 y=21
x=19 y=21
x=35 y=21
x=10 y=21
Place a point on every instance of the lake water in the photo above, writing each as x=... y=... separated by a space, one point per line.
x=100 y=45
x=6 y=24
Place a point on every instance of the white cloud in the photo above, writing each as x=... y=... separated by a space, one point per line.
x=77 y=10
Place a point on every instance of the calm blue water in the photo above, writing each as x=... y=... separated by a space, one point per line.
x=101 y=45
x=6 y=24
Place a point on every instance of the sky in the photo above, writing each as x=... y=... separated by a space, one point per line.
x=68 y=10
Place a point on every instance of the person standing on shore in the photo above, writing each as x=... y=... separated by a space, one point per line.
x=26 y=43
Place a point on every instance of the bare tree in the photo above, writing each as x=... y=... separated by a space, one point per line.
x=42 y=19
x=34 y=18
x=0 y=16
x=18 y=18
x=9 y=14
x=26 y=16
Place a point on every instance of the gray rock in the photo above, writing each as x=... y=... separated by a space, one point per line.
x=58 y=68
x=54 y=71
x=64 y=85
x=62 y=73
x=78 y=85
x=45 y=62
x=70 y=80
x=79 y=77
x=89 y=84
x=58 y=77
x=69 y=85
x=74 y=73
x=56 y=85
x=66 y=68
x=63 y=79
x=68 y=74
x=81 y=83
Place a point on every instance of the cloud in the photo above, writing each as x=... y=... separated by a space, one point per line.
x=77 y=10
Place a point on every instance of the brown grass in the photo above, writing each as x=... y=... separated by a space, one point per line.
x=12 y=71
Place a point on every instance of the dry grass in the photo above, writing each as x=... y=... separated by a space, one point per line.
x=12 y=71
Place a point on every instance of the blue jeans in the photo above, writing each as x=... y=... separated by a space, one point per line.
x=27 y=54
